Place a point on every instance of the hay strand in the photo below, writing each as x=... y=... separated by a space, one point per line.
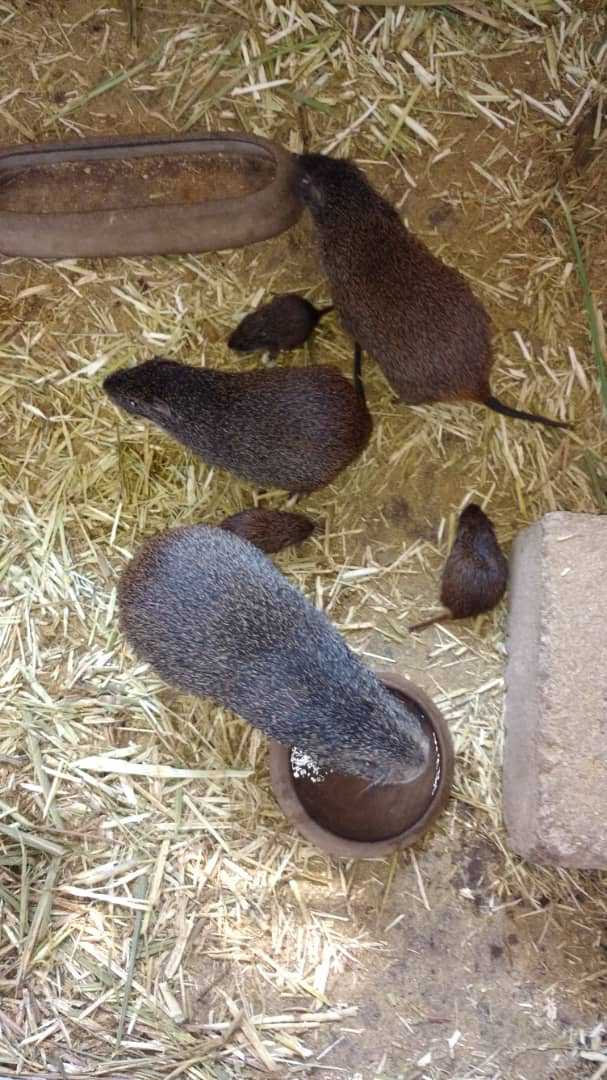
x=597 y=339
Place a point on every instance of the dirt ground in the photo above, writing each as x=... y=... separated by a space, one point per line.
x=453 y=960
x=461 y=980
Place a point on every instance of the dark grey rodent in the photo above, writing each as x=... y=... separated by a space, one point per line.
x=417 y=316
x=475 y=574
x=286 y=322
x=269 y=530
x=215 y=618
x=291 y=428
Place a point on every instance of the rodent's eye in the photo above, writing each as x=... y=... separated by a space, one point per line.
x=308 y=191
x=132 y=403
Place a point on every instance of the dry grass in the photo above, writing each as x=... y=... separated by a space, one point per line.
x=158 y=919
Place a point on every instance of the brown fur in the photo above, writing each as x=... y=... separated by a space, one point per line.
x=475 y=574
x=269 y=530
x=215 y=618
x=290 y=428
x=417 y=316
x=286 y=322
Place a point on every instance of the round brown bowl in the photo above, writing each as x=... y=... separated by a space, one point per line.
x=345 y=815
x=141 y=195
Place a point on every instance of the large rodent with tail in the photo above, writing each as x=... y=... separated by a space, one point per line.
x=290 y=428
x=215 y=618
x=417 y=316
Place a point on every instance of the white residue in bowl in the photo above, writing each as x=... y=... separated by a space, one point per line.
x=305 y=767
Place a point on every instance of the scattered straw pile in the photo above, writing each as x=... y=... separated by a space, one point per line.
x=158 y=918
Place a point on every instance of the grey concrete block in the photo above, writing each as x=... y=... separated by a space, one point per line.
x=555 y=749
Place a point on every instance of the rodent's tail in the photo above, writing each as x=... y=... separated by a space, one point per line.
x=533 y=418
x=357 y=373
x=325 y=310
x=444 y=616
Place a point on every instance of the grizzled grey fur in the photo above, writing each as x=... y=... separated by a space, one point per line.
x=215 y=618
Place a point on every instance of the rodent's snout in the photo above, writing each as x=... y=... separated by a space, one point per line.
x=119 y=388
x=111 y=385
x=421 y=749
x=418 y=759
x=409 y=765
x=238 y=340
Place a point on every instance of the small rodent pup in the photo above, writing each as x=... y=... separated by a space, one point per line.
x=284 y=323
x=215 y=618
x=475 y=574
x=417 y=316
x=269 y=530
x=291 y=428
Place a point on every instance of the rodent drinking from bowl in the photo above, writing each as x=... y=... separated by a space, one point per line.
x=215 y=618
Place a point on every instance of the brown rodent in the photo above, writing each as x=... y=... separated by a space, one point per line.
x=215 y=618
x=475 y=574
x=291 y=428
x=417 y=316
x=269 y=530
x=286 y=322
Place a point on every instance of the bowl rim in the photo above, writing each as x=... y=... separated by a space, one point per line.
x=286 y=795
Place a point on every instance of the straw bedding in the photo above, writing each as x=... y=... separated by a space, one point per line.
x=158 y=917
